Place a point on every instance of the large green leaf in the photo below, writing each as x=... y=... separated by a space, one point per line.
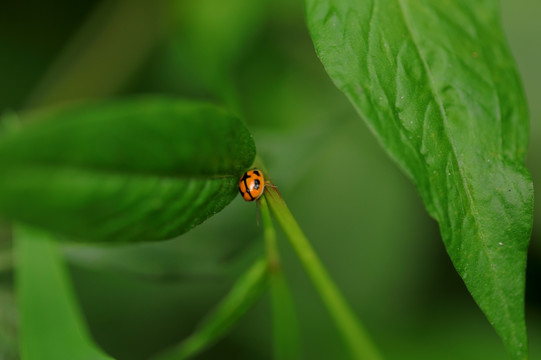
x=436 y=83
x=52 y=326
x=145 y=169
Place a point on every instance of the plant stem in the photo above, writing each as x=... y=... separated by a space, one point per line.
x=270 y=237
x=355 y=336
x=287 y=343
x=247 y=289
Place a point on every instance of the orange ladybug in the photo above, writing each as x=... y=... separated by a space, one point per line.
x=252 y=184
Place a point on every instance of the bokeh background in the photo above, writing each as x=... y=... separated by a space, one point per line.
x=256 y=58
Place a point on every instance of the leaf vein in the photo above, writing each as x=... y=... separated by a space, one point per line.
x=473 y=211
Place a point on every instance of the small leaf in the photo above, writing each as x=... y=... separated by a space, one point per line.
x=436 y=83
x=247 y=289
x=52 y=326
x=145 y=169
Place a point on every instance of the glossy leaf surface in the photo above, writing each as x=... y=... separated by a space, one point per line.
x=436 y=83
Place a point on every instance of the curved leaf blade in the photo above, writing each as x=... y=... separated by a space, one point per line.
x=145 y=169
x=437 y=85
x=52 y=326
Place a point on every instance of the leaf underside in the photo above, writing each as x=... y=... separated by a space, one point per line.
x=138 y=170
x=437 y=85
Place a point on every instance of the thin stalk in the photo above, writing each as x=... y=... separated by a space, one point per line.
x=287 y=344
x=245 y=292
x=358 y=341
x=269 y=235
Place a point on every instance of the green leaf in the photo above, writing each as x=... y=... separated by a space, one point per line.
x=145 y=169
x=437 y=85
x=52 y=326
x=247 y=289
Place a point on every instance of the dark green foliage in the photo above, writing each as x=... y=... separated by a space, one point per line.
x=404 y=64
x=145 y=169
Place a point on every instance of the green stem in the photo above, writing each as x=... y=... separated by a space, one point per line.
x=270 y=237
x=287 y=343
x=247 y=289
x=355 y=336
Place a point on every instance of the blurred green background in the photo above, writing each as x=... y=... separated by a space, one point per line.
x=256 y=58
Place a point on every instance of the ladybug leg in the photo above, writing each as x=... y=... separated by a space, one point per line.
x=269 y=184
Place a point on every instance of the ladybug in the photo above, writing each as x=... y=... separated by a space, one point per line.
x=252 y=184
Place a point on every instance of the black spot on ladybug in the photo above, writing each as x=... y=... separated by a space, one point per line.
x=245 y=177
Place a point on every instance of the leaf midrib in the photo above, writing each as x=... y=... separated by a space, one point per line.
x=473 y=209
